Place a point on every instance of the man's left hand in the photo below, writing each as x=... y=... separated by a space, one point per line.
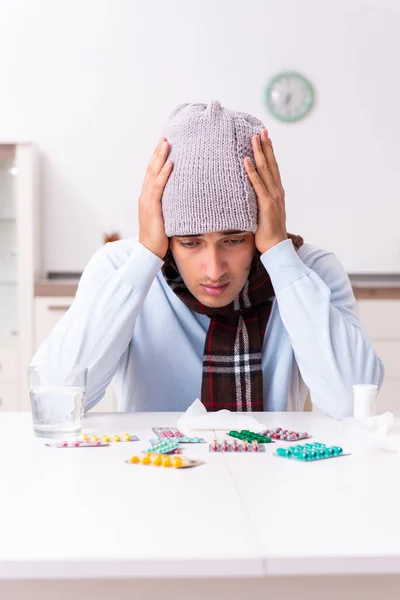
x=266 y=181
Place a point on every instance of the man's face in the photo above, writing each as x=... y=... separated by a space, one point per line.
x=214 y=266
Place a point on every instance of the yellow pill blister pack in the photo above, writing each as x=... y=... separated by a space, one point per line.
x=163 y=460
x=108 y=438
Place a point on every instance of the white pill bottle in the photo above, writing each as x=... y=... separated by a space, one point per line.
x=364 y=400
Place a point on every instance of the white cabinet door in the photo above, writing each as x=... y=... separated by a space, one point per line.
x=389 y=397
x=380 y=318
x=48 y=311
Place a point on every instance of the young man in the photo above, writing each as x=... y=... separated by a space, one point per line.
x=215 y=300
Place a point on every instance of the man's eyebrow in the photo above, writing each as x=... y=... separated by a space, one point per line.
x=221 y=233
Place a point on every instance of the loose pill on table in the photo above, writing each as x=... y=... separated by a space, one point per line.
x=134 y=459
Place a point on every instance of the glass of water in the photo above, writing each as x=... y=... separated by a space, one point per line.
x=57 y=402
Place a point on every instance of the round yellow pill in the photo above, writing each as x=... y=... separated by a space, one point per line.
x=157 y=461
x=105 y=438
x=178 y=462
x=94 y=438
x=117 y=438
x=166 y=461
x=127 y=437
x=134 y=459
x=145 y=460
x=84 y=437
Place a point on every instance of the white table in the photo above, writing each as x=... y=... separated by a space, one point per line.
x=83 y=523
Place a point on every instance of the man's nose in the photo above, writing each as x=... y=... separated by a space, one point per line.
x=214 y=266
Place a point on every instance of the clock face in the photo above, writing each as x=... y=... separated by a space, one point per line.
x=289 y=96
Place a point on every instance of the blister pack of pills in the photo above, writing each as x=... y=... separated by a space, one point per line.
x=236 y=446
x=173 y=433
x=109 y=437
x=250 y=436
x=77 y=444
x=310 y=452
x=164 y=446
x=163 y=460
x=285 y=435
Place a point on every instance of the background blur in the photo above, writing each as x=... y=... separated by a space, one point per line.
x=85 y=89
x=91 y=82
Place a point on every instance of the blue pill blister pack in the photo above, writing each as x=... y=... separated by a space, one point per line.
x=310 y=452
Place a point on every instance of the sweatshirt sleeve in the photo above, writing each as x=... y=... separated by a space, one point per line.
x=317 y=307
x=98 y=327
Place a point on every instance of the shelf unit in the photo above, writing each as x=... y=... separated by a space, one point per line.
x=19 y=266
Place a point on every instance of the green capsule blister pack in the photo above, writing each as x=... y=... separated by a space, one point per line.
x=310 y=452
x=250 y=436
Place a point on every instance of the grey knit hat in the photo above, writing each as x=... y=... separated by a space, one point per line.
x=208 y=189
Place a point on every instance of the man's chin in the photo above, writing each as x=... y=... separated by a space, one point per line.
x=217 y=302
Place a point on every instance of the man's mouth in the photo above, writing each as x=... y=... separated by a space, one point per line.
x=214 y=290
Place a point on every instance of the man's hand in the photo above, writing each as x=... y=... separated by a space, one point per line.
x=151 y=222
x=266 y=181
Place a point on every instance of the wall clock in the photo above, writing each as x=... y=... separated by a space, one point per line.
x=289 y=96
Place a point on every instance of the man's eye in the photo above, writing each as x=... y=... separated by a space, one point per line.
x=189 y=244
x=235 y=242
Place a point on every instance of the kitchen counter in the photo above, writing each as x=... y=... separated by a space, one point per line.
x=364 y=286
x=370 y=287
x=82 y=522
x=59 y=286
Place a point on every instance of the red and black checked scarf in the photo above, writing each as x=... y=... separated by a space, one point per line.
x=232 y=361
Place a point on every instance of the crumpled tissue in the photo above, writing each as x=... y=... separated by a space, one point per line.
x=373 y=432
x=197 y=418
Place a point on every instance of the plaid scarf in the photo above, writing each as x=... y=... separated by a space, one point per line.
x=232 y=361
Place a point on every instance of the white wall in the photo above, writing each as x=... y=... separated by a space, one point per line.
x=92 y=81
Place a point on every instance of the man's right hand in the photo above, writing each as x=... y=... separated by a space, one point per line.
x=151 y=222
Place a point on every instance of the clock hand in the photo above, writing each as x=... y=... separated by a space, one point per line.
x=288 y=98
